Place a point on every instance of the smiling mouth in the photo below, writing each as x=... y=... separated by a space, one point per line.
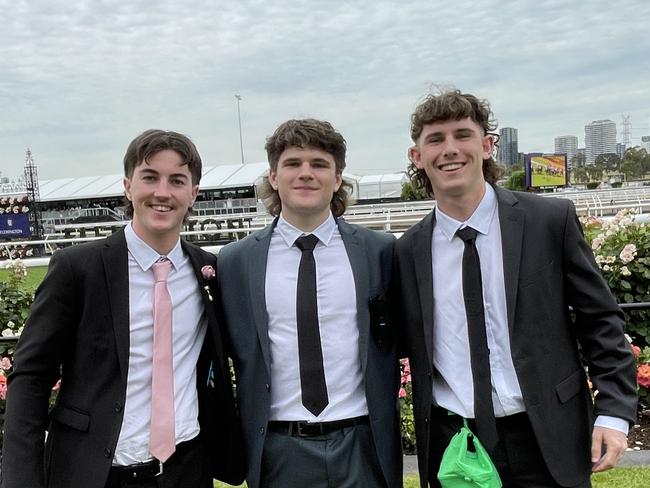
x=161 y=208
x=450 y=166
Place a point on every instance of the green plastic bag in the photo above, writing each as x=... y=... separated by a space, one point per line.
x=466 y=464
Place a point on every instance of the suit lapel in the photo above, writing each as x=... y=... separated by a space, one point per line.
x=116 y=272
x=256 y=274
x=359 y=265
x=421 y=246
x=511 y=221
x=198 y=261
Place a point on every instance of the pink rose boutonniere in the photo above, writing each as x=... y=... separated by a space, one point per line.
x=208 y=273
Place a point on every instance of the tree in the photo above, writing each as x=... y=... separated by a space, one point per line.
x=608 y=161
x=409 y=193
x=594 y=172
x=516 y=181
x=578 y=160
x=640 y=156
x=579 y=175
x=631 y=169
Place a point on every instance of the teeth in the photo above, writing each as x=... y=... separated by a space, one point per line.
x=451 y=166
x=161 y=208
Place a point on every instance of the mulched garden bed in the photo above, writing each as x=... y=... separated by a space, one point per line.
x=639 y=436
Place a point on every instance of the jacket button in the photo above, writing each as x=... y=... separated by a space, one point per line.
x=118 y=407
x=261 y=430
x=107 y=453
x=268 y=387
x=426 y=420
x=428 y=374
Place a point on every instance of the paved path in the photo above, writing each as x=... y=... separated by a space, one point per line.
x=630 y=458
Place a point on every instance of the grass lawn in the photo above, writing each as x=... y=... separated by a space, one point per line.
x=34 y=276
x=616 y=478
x=547 y=180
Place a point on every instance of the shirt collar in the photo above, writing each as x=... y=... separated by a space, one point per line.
x=144 y=255
x=480 y=220
x=289 y=233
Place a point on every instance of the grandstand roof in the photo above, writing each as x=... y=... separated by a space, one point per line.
x=225 y=176
x=214 y=177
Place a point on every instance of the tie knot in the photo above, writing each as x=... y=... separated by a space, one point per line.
x=467 y=234
x=161 y=269
x=307 y=243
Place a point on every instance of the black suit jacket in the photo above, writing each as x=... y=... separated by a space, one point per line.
x=547 y=267
x=78 y=329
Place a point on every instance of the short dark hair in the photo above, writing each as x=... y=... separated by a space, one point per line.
x=153 y=141
x=317 y=134
x=452 y=105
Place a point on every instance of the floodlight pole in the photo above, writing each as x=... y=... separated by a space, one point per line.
x=241 y=142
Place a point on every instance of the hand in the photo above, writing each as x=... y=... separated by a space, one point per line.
x=607 y=448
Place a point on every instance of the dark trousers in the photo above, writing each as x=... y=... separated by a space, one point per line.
x=345 y=458
x=186 y=468
x=517 y=456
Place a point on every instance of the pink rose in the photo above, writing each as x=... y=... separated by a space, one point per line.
x=402 y=392
x=5 y=363
x=208 y=272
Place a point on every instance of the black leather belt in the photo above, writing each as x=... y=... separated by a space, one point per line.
x=311 y=429
x=143 y=472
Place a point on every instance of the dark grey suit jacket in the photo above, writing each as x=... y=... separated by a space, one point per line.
x=78 y=329
x=242 y=276
x=547 y=267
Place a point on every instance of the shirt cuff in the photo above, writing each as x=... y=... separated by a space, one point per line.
x=612 y=423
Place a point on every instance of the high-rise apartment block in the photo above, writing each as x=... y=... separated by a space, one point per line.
x=508 y=146
x=600 y=138
x=566 y=145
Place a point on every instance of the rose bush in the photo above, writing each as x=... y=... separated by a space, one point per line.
x=622 y=249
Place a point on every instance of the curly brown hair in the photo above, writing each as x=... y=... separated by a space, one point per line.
x=452 y=105
x=153 y=141
x=317 y=134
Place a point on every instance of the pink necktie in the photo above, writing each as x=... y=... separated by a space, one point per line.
x=162 y=442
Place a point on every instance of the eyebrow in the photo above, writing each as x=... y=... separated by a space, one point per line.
x=315 y=160
x=173 y=175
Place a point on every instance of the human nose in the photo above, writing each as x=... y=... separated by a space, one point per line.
x=161 y=189
x=449 y=148
x=305 y=171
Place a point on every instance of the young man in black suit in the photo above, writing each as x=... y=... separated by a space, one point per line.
x=92 y=326
x=508 y=360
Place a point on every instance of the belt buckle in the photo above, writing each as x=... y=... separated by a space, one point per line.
x=305 y=429
x=160 y=468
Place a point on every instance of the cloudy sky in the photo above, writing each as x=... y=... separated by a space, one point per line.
x=79 y=79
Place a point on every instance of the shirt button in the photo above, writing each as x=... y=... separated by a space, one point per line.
x=107 y=453
x=268 y=387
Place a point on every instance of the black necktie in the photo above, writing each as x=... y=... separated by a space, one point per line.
x=479 y=352
x=312 y=375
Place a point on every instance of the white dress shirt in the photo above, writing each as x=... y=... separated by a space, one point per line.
x=452 y=385
x=189 y=329
x=337 y=316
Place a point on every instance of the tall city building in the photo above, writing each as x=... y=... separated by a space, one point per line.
x=620 y=149
x=508 y=146
x=600 y=138
x=566 y=145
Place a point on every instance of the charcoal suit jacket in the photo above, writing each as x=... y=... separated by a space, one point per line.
x=242 y=277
